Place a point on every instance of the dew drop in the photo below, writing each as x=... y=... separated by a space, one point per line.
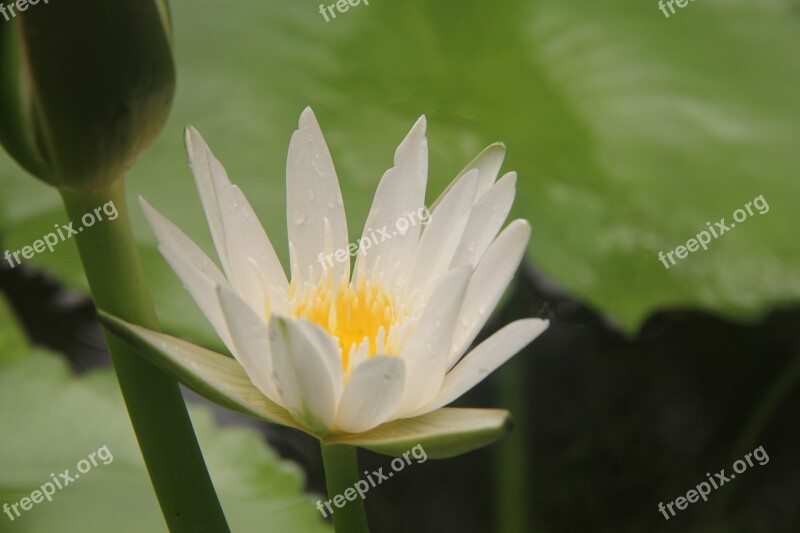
x=299 y=216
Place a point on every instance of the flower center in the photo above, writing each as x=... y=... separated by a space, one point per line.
x=360 y=316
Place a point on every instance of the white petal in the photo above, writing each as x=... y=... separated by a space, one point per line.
x=487 y=163
x=400 y=195
x=371 y=394
x=485 y=221
x=198 y=273
x=207 y=170
x=250 y=341
x=485 y=359
x=443 y=233
x=255 y=270
x=426 y=351
x=313 y=195
x=490 y=280
x=303 y=372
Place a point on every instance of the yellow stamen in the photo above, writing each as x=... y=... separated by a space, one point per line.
x=352 y=314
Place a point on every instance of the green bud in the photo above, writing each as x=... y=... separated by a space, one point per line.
x=85 y=86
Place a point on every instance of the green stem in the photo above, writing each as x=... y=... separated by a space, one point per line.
x=513 y=455
x=341 y=473
x=155 y=405
x=513 y=514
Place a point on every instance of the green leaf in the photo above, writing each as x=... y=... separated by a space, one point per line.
x=51 y=420
x=628 y=130
x=446 y=432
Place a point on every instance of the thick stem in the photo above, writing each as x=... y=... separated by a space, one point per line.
x=155 y=405
x=341 y=473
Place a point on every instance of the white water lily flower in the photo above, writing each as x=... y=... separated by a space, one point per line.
x=368 y=358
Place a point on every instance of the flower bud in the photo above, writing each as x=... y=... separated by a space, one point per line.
x=85 y=86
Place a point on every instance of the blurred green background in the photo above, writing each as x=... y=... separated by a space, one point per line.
x=629 y=131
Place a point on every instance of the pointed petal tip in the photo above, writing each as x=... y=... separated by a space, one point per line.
x=510 y=176
x=151 y=214
x=307 y=118
x=195 y=144
x=191 y=136
x=420 y=125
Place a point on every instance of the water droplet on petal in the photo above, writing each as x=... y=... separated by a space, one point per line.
x=299 y=216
